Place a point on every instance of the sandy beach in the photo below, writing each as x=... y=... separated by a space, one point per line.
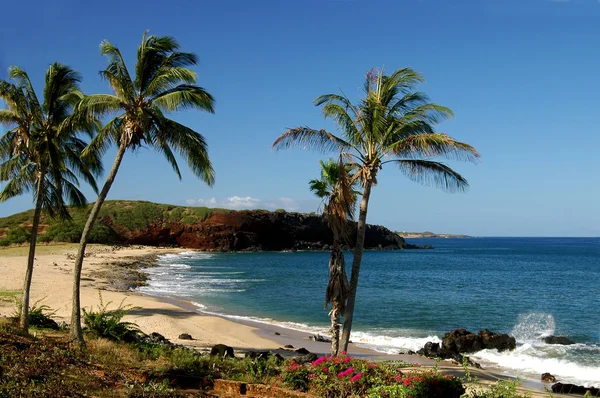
x=104 y=271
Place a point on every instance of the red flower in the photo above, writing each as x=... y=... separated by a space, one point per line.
x=356 y=377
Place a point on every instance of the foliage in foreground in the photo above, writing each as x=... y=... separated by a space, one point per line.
x=344 y=376
x=109 y=323
x=40 y=315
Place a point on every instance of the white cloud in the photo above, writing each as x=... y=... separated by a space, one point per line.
x=247 y=202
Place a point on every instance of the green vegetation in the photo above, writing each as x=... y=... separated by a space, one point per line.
x=392 y=124
x=9 y=295
x=39 y=315
x=108 y=323
x=116 y=217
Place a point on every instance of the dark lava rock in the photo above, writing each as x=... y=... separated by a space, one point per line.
x=320 y=339
x=154 y=338
x=185 y=336
x=548 y=378
x=222 y=351
x=499 y=341
x=263 y=355
x=302 y=351
x=301 y=360
x=288 y=346
x=574 y=389
x=48 y=323
x=277 y=334
x=557 y=340
x=462 y=341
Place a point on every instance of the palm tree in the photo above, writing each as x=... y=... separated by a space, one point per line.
x=163 y=83
x=339 y=197
x=41 y=151
x=392 y=124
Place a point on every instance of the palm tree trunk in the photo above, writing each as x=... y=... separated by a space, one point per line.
x=76 y=333
x=24 y=318
x=358 y=252
x=336 y=264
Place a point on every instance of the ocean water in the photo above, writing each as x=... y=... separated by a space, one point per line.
x=527 y=287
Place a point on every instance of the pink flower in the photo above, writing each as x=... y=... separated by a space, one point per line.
x=347 y=359
x=346 y=372
x=325 y=370
x=372 y=365
x=356 y=377
x=312 y=375
x=319 y=361
x=343 y=353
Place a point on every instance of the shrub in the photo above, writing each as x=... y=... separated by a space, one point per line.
x=502 y=389
x=18 y=235
x=345 y=376
x=109 y=324
x=39 y=315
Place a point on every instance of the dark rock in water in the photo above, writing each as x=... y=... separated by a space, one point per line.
x=557 y=340
x=302 y=351
x=185 y=336
x=301 y=360
x=574 y=389
x=548 y=378
x=319 y=338
x=277 y=334
x=430 y=350
x=288 y=346
x=222 y=351
x=462 y=341
x=499 y=341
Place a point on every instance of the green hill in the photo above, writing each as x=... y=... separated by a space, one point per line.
x=115 y=215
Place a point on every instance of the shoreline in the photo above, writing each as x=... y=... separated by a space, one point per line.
x=172 y=316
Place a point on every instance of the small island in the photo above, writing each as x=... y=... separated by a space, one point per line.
x=428 y=234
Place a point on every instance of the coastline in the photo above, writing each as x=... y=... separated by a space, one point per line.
x=167 y=315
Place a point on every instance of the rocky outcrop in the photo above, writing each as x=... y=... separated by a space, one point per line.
x=561 y=388
x=461 y=341
x=557 y=340
x=254 y=230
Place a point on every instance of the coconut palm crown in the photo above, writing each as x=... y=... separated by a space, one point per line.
x=392 y=124
x=41 y=150
x=138 y=109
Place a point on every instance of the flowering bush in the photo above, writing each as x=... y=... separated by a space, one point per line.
x=345 y=376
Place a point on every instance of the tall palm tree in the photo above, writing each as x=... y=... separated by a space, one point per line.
x=163 y=83
x=392 y=124
x=41 y=151
x=335 y=188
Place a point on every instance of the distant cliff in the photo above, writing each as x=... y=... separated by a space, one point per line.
x=136 y=222
x=428 y=234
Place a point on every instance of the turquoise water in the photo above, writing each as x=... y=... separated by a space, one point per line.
x=528 y=287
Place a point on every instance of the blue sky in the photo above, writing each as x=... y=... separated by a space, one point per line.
x=522 y=76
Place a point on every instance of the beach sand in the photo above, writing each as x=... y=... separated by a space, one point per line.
x=103 y=272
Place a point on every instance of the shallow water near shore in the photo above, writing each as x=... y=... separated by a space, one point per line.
x=527 y=287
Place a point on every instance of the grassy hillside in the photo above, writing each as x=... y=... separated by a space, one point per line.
x=115 y=215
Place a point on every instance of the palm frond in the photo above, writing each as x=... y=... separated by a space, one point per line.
x=307 y=138
x=433 y=145
x=434 y=174
x=184 y=96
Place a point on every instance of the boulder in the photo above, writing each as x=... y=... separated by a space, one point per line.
x=263 y=355
x=561 y=388
x=319 y=338
x=288 y=346
x=302 y=351
x=222 y=351
x=462 y=341
x=48 y=323
x=277 y=334
x=302 y=359
x=430 y=350
x=185 y=336
x=557 y=340
x=154 y=338
x=499 y=341
x=548 y=378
